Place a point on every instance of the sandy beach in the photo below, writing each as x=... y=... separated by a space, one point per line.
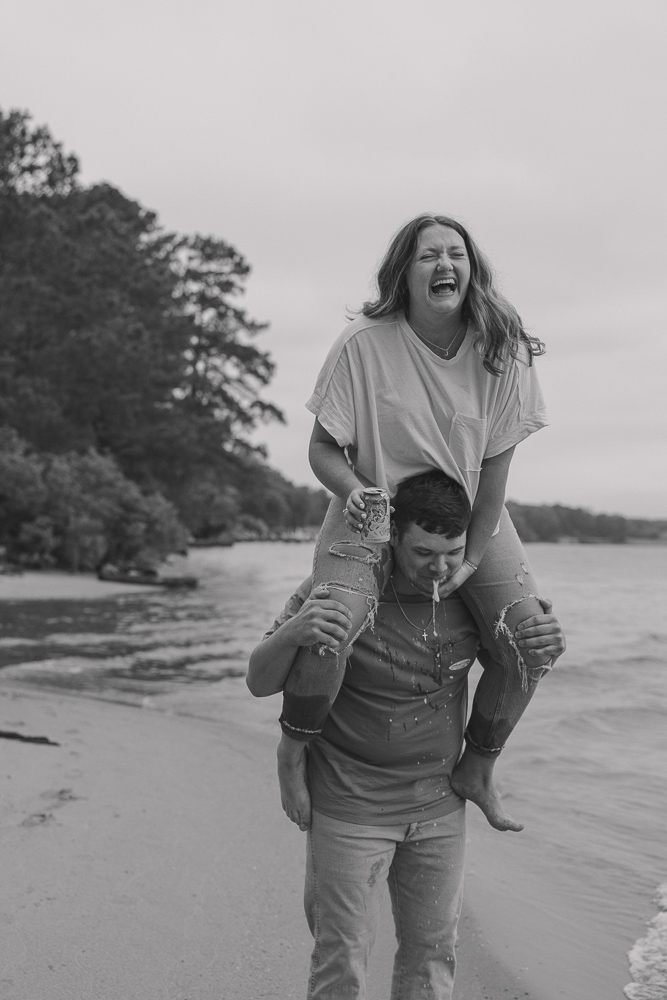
x=146 y=855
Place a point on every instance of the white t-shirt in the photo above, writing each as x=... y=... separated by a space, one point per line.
x=399 y=409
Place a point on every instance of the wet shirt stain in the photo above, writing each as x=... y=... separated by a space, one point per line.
x=395 y=730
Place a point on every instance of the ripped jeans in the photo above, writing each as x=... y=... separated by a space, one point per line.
x=500 y=594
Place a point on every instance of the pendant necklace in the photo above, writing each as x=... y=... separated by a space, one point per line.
x=422 y=631
x=444 y=350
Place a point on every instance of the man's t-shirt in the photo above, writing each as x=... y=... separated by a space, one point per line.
x=399 y=409
x=395 y=730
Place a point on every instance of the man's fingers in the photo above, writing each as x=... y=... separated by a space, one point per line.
x=541 y=638
x=334 y=617
x=538 y=641
x=535 y=621
x=529 y=633
x=323 y=604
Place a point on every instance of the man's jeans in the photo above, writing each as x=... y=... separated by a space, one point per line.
x=347 y=868
x=500 y=594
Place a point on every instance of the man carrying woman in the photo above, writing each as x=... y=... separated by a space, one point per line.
x=436 y=373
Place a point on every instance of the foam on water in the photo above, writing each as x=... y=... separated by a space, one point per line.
x=648 y=957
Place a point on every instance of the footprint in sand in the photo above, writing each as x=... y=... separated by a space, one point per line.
x=56 y=799
x=60 y=797
x=38 y=819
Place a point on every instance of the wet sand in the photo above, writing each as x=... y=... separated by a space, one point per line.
x=146 y=855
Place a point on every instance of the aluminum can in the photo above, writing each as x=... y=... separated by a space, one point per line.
x=376 y=525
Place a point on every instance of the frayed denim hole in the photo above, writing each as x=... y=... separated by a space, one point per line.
x=502 y=629
x=355 y=551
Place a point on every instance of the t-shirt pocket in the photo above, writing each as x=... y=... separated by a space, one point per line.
x=467 y=441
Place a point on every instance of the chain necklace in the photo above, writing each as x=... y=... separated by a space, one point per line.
x=445 y=350
x=415 y=627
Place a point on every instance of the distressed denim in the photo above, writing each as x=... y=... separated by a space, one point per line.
x=500 y=594
x=356 y=573
x=503 y=590
x=347 y=868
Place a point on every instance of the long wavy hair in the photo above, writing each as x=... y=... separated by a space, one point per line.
x=501 y=335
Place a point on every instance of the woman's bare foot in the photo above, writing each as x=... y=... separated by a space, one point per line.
x=292 y=780
x=472 y=779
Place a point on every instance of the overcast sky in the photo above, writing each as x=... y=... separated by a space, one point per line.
x=305 y=133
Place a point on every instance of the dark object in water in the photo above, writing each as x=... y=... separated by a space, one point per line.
x=112 y=574
x=5 y=735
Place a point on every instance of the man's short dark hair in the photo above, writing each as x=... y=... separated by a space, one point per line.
x=433 y=501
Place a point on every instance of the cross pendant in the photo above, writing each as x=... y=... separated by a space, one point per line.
x=424 y=635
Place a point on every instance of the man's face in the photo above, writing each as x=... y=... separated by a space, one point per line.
x=423 y=556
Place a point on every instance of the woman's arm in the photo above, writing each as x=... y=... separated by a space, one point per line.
x=328 y=462
x=318 y=620
x=486 y=511
x=488 y=505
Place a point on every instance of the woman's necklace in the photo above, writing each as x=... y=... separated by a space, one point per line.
x=415 y=627
x=445 y=350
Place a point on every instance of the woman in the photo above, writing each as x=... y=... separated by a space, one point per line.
x=436 y=373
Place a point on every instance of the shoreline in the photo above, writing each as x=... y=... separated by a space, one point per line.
x=54 y=585
x=130 y=839
x=58 y=585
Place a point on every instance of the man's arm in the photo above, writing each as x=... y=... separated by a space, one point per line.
x=317 y=620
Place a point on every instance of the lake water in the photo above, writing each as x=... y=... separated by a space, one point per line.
x=588 y=763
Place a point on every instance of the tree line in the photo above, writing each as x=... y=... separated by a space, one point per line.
x=130 y=377
x=556 y=523
x=130 y=380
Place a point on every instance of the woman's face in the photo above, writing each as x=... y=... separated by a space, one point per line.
x=439 y=274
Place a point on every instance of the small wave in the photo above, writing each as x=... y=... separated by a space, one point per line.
x=648 y=957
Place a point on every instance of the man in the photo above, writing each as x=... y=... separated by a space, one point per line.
x=383 y=809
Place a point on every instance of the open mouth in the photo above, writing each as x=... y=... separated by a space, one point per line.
x=443 y=286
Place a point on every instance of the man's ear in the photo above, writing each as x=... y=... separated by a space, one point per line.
x=393 y=533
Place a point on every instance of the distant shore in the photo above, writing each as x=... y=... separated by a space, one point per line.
x=55 y=585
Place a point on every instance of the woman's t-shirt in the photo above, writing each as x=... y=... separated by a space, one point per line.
x=399 y=409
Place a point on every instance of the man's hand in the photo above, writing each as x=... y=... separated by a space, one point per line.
x=541 y=633
x=319 y=620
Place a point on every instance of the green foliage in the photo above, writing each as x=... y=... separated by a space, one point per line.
x=117 y=334
x=79 y=511
x=120 y=338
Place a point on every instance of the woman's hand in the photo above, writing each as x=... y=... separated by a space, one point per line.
x=541 y=634
x=457 y=578
x=319 y=620
x=354 y=510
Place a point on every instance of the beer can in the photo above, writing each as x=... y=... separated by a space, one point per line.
x=376 y=525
